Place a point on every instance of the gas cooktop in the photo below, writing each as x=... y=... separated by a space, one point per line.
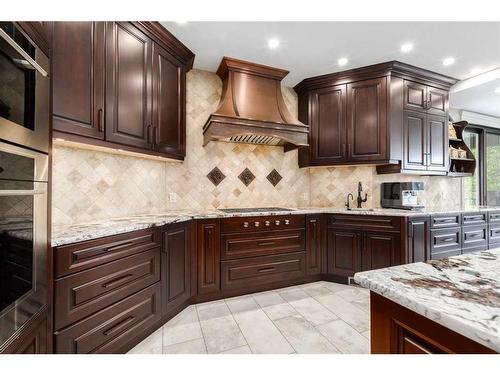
x=258 y=209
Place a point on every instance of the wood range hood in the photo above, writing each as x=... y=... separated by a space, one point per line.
x=252 y=109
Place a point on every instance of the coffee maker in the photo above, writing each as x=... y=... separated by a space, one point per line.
x=402 y=195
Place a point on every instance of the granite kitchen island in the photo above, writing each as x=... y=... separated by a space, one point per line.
x=450 y=305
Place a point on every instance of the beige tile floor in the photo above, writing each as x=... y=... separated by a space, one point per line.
x=320 y=317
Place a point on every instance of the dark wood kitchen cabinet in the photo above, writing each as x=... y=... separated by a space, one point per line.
x=314 y=244
x=380 y=250
x=78 y=78
x=392 y=115
x=208 y=245
x=176 y=266
x=120 y=85
x=418 y=241
x=344 y=252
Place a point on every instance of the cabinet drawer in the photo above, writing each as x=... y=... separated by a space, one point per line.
x=445 y=254
x=242 y=245
x=494 y=217
x=84 y=255
x=446 y=220
x=445 y=240
x=474 y=218
x=494 y=235
x=87 y=292
x=475 y=237
x=252 y=272
x=111 y=329
x=261 y=223
x=365 y=221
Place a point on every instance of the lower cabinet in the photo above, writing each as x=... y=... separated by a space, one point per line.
x=176 y=266
x=314 y=244
x=380 y=250
x=344 y=252
x=418 y=245
x=208 y=252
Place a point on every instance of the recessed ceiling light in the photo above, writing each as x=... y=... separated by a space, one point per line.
x=497 y=90
x=449 y=61
x=273 y=43
x=342 y=61
x=407 y=47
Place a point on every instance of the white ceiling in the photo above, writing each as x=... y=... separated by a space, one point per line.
x=312 y=48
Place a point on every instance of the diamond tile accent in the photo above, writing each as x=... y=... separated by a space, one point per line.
x=216 y=176
x=274 y=177
x=246 y=176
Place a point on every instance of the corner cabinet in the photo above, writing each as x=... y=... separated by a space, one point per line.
x=392 y=115
x=128 y=79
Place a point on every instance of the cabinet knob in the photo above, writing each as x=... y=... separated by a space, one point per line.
x=287 y=222
x=245 y=224
x=277 y=222
x=256 y=224
x=267 y=223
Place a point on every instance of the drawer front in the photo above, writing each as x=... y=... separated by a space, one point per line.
x=494 y=217
x=111 y=329
x=242 y=245
x=88 y=254
x=474 y=218
x=494 y=235
x=475 y=237
x=87 y=292
x=365 y=221
x=446 y=221
x=446 y=240
x=444 y=254
x=247 y=273
x=262 y=223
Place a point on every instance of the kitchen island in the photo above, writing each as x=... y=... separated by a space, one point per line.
x=450 y=305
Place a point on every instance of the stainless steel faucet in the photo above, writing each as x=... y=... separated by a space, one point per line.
x=361 y=200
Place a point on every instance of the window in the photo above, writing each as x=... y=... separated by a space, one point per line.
x=472 y=185
x=492 y=157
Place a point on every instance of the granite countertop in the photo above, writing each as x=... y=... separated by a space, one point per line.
x=461 y=293
x=66 y=234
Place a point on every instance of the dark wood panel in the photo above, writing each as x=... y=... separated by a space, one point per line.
x=446 y=242
x=418 y=245
x=494 y=235
x=262 y=223
x=208 y=256
x=437 y=101
x=32 y=338
x=367 y=115
x=176 y=266
x=78 y=78
x=111 y=329
x=398 y=330
x=392 y=223
x=474 y=218
x=84 y=293
x=494 y=217
x=381 y=250
x=87 y=254
x=128 y=88
x=437 y=143
x=415 y=96
x=344 y=252
x=314 y=244
x=169 y=103
x=251 y=272
x=414 y=140
x=244 y=245
x=445 y=220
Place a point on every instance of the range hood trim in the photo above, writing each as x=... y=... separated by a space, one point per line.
x=227 y=121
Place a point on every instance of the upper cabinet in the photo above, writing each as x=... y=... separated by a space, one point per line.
x=392 y=115
x=120 y=85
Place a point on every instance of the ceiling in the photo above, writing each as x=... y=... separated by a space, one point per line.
x=312 y=48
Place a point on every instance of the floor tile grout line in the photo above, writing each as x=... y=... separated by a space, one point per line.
x=201 y=328
x=278 y=328
x=241 y=331
x=185 y=342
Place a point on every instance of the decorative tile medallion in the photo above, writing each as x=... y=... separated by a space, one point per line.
x=274 y=177
x=216 y=176
x=246 y=176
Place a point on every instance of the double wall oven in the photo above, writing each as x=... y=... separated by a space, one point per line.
x=24 y=144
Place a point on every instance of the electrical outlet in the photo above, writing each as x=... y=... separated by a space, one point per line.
x=172 y=197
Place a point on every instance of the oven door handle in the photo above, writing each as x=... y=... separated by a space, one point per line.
x=23 y=53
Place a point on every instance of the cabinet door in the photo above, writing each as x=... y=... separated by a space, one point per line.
x=208 y=256
x=169 y=83
x=380 y=250
x=437 y=138
x=414 y=140
x=176 y=276
x=418 y=243
x=313 y=244
x=437 y=101
x=367 y=120
x=415 y=96
x=344 y=252
x=78 y=78
x=328 y=125
x=128 y=89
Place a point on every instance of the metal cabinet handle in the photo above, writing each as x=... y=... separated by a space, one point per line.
x=447 y=239
x=118 y=326
x=266 y=243
x=267 y=269
x=117 y=280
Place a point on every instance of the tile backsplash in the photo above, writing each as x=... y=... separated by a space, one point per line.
x=92 y=185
